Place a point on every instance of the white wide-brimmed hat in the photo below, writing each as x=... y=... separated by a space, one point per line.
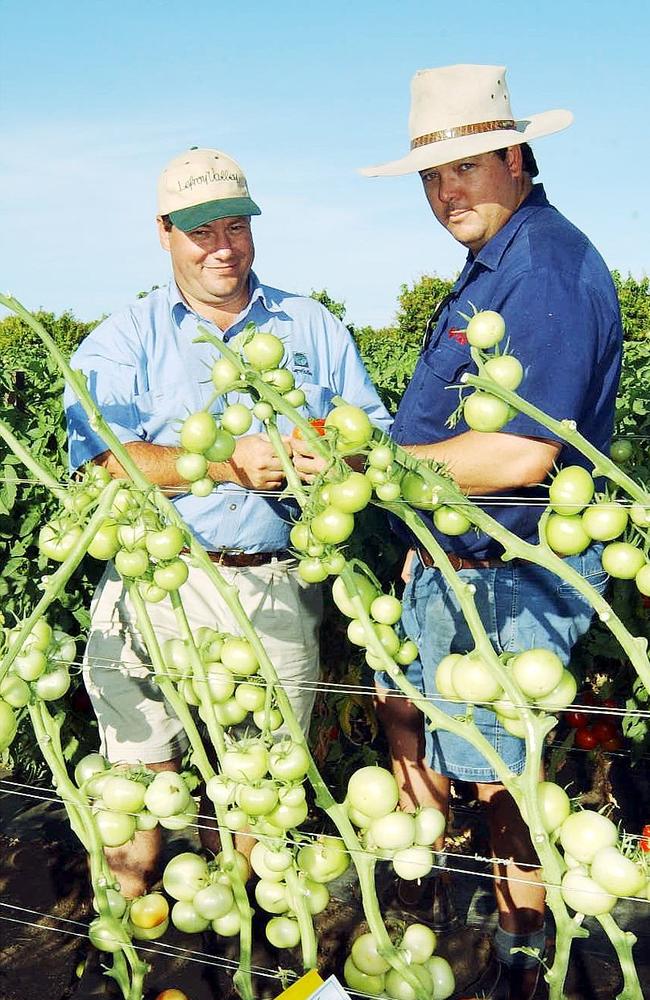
x=461 y=111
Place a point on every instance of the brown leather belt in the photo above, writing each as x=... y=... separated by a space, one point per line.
x=460 y=562
x=226 y=557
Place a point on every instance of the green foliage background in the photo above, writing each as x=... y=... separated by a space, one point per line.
x=31 y=402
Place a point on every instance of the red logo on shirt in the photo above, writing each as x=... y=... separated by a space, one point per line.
x=454 y=334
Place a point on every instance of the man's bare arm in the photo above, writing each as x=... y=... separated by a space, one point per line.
x=489 y=463
x=253 y=465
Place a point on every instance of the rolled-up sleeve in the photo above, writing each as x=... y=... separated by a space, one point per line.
x=112 y=373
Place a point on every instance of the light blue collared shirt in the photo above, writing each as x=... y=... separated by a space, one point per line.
x=147 y=375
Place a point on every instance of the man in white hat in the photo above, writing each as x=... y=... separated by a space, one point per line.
x=562 y=318
x=147 y=374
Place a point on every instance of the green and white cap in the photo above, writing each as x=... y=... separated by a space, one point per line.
x=202 y=185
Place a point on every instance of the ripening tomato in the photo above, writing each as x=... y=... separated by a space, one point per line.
x=149 y=910
x=585 y=738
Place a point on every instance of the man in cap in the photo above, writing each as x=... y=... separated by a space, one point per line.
x=562 y=318
x=146 y=374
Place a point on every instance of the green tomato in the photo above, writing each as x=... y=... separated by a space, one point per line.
x=30 y=664
x=388 y=492
x=450 y=521
x=621 y=450
x=505 y=370
x=167 y=795
x=8 y=725
x=584 y=895
x=263 y=351
x=386 y=609
x=560 y=696
x=186 y=919
x=272 y=896
x=236 y=419
x=246 y=761
x=131 y=562
x=166 y=543
x=88 y=767
x=584 y=833
x=380 y=457
x=398 y=988
x=430 y=824
x=107 y=934
x=373 y=791
x=213 y=901
x=259 y=799
x=616 y=873
x=486 y=413
x=191 y=466
x=485 y=329
x=393 y=832
x=14 y=691
x=332 y=526
x=114 y=828
x=566 y=534
x=571 y=490
x=419 y=493
x=283 y=932
x=420 y=943
x=351 y=494
x=353 y=427
x=358 y=981
x=225 y=375
x=537 y=672
x=239 y=657
x=229 y=925
x=280 y=378
x=312 y=570
x=413 y=862
x=198 y=431
x=605 y=521
x=442 y=977
x=554 y=805
x=171 y=575
x=57 y=539
x=407 y=653
x=295 y=397
x=622 y=560
x=324 y=860
x=263 y=411
x=642 y=580
x=185 y=875
x=105 y=542
x=366 y=957
x=223 y=447
x=53 y=684
x=473 y=680
x=367 y=593
x=123 y=794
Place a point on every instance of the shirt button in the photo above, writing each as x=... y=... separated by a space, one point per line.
x=233 y=506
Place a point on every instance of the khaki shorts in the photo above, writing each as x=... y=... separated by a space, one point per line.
x=135 y=722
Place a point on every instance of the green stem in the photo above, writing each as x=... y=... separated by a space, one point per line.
x=623 y=942
x=298 y=903
x=47 y=732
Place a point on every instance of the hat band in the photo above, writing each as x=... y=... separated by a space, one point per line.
x=461 y=130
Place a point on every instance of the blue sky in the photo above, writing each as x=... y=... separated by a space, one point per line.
x=97 y=96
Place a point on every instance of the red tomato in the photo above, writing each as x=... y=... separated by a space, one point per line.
x=585 y=738
x=318 y=423
x=616 y=743
x=576 y=719
x=644 y=843
x=605 y=730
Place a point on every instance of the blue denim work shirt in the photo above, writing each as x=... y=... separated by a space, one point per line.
x=563 y=323
x=146 y=375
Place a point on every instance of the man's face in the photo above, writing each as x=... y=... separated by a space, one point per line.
x=212 y=263
x=474 y=198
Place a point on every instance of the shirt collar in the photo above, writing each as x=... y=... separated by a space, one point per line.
x=258 y=293
x=490 y=255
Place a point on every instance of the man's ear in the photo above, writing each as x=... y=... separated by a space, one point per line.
x=163 y=233
x=515 y=161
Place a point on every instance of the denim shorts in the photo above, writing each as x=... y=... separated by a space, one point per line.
x=522 y=606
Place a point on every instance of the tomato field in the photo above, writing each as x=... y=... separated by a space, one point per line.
x=324 y=811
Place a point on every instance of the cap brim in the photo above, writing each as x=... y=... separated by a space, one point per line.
x=191 y=218
x=434 y=154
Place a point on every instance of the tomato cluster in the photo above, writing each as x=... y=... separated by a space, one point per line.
x=125 y=799
x=41 y=670
x=367 y=971
x=604 y=732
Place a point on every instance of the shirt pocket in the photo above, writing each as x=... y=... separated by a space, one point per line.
x=163 y=408
x=446 y=361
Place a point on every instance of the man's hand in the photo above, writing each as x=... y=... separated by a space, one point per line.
x=307 y=464
x=255 y=464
